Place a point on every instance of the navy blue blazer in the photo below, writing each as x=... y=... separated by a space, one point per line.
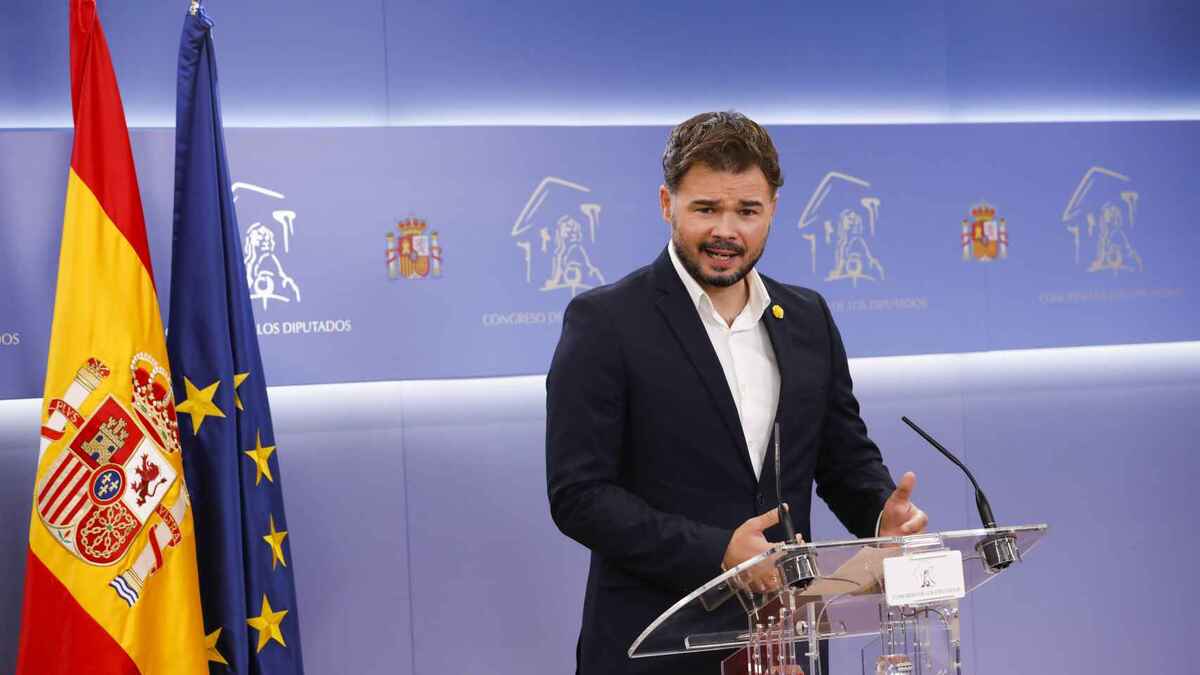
x=647 y=464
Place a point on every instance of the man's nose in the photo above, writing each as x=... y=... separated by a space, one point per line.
x=725 y=227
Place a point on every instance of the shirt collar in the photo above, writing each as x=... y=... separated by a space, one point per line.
x=755 y=306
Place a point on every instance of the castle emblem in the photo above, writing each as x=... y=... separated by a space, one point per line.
x=984 y=237
x=413 y=254
x=1102 y=213
x=262 y=254
x=843 y=215
x=113 y=472
x=554 y=232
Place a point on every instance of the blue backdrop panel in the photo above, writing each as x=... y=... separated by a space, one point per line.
x=304 y=62
x=527 y=59
x=402 y=253
x=347 y=505
x=298 y=62
x=489 y=570
x=1092 y=58
x=1107 y=455
x=18 y=459
x=33 y=185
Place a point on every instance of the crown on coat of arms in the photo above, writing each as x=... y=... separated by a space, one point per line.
x=152 y=399
x=411 y=226
x=983 y=212
x=92 y=372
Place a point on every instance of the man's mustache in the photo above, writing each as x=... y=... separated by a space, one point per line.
x=727 y=247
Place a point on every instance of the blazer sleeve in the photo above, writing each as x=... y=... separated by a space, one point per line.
x=586 y=438
x=850 y=473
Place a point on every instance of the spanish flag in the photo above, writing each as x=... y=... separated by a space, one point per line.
x=110 y=581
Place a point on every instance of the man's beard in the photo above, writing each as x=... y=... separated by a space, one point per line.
x=688 y=257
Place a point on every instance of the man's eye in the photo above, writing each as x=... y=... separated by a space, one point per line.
x=748 y=212
x=705 y=209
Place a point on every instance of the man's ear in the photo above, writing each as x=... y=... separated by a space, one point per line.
x=665 y=202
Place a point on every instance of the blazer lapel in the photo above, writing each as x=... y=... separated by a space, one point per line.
x=792 y=339
x=677 y=308
x=781 y=342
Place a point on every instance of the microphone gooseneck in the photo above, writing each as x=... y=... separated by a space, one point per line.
x=981 y=502
x=785 y=515
x=998 y=549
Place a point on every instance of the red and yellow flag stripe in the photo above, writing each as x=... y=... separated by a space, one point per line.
x=106 y=308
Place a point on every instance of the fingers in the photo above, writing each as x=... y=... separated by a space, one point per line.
x=764 y=521
x=916 y=524
x=905 y=489
x=762 y=578
x=748 y=539
x=767 y=584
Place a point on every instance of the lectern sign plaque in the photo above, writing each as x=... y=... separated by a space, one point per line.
x=924 y=578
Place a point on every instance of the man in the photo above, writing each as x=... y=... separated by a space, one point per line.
x=663 y=393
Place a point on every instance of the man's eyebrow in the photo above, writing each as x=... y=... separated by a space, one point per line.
x=713 y=203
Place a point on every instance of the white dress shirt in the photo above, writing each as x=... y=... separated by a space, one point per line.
x=746 y=355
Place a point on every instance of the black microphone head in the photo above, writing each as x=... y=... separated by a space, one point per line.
x=985 y=510
x=785 y=519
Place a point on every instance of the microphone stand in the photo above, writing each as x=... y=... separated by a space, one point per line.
x=799 y=568
x=999 y=550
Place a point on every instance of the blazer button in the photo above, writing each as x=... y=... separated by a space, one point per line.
x=762 y=501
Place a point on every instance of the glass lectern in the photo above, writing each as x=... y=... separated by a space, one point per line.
x=775 y=608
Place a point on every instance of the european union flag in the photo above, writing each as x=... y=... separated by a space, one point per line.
x=229 y=453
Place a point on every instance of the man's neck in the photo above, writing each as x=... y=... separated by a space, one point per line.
x=729 y=301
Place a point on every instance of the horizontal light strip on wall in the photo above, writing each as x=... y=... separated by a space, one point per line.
x=764 y=114
x=300 y=408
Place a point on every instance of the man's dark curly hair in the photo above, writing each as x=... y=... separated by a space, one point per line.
x=723 y=141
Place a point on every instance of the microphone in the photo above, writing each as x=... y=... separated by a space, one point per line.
x=999 y=550
x=785 y=514
x=798 y=569
x=981 y=502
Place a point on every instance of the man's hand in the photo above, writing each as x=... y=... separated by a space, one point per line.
x=900 y=516
x=748 y=541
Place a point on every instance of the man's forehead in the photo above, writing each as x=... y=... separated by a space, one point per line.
x=706 y=183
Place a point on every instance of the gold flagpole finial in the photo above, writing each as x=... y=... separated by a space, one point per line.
x=194 y=7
